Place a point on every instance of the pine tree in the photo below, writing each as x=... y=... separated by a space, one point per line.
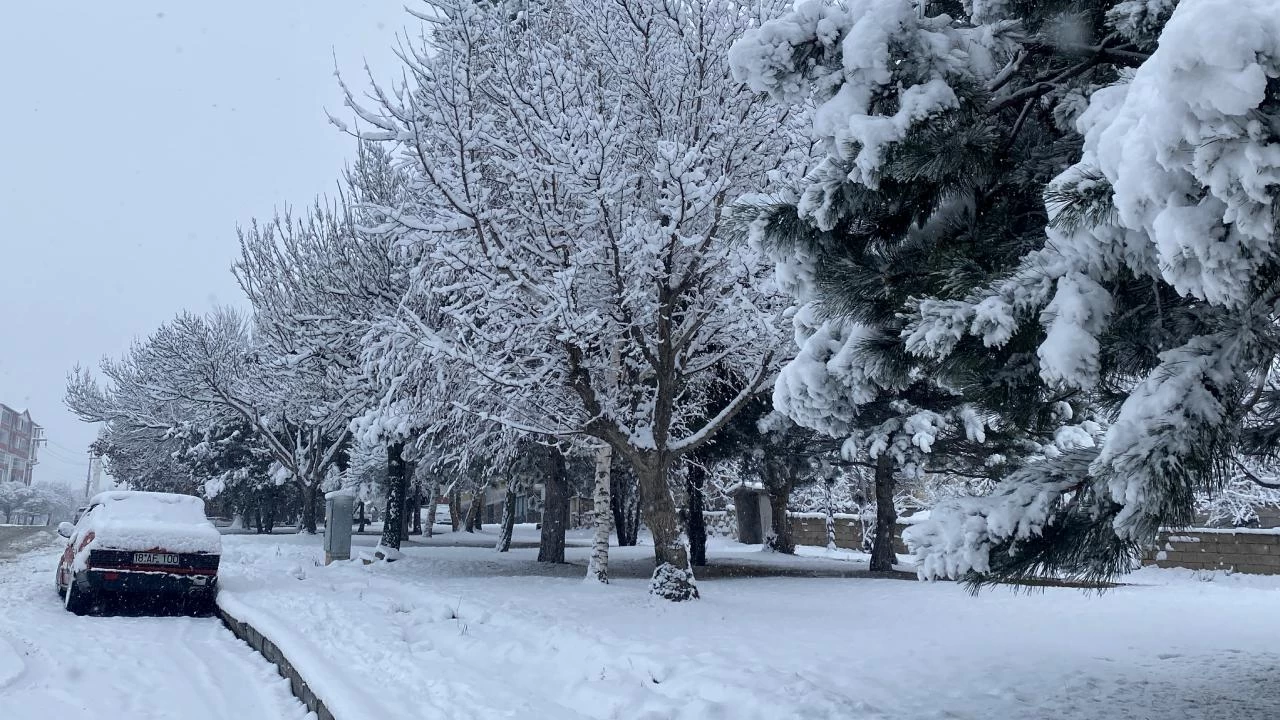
x=930 y=187
x=943 y=125
x=1138 y=283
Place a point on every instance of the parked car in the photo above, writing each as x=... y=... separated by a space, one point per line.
x=140 y=543
x=443 y=517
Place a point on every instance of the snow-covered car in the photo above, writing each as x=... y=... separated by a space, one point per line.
x=140 y=543
x=442 y=515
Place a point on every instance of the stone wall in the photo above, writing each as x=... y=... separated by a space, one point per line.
x=811 y=529
x=1243 y=550
x=720 y=523
x=806 y=529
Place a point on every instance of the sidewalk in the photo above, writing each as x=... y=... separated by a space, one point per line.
x=464 y=632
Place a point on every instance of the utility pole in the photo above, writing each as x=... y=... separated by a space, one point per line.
x=94 y=475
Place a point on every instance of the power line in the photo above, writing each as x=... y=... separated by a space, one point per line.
x=49 y=452
x=66 y=461
x=65 y=448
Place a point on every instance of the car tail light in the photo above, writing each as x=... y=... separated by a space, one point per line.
x=88 y=538
x=111 y=576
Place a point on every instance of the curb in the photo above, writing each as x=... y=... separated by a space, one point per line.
x=269 y=650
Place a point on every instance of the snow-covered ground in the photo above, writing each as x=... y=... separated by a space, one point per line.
x=18 y=539
x=464 y=632
x=56 y=666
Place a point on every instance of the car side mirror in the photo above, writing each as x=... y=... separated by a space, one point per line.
x=65 y=529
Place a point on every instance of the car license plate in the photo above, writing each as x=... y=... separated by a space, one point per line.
x=155 y=559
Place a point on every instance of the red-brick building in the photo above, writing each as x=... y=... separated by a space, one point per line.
x=20 y=439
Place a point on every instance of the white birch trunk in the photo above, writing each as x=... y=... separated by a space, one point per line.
x=598 y=566
x=432 y=488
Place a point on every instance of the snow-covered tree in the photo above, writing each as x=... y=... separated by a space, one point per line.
x=1253 y=486
x=13 y=498
x=231 y=464
x=38 y=502
x=1139 y=280
x=52 y=501
x=207 y=367
x=934 y=161
x=145 y=458
x=569 y=171
x=1156 y=288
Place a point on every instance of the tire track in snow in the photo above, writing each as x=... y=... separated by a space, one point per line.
x=126 y=668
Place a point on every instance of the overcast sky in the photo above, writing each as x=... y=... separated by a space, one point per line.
x=134 y=137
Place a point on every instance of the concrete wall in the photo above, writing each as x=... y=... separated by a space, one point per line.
x=297 y=684
x=1242 y=550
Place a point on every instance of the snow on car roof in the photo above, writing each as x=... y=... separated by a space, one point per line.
x=132 y=520
x=169 y=507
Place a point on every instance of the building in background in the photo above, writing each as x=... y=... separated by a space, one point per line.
x=20 y=439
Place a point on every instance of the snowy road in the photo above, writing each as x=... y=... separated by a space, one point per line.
x=17 y=539
x=56 y=665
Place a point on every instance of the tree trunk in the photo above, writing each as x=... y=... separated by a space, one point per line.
x=269 y=512
x=555 y=508
x=397 y=479
x=625 y=506
x=780 y=537
x=416 y=504
x=598 y=566
x=317 y=501
x=474 y=509
x=882 y=555
x=432 y=490
x=695 y=523
x=405 y=501
x=673 y=576
x=308 y=507
x=508 y=521
x=455 y=508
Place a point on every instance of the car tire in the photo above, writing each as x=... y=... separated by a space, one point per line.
x=77 y=601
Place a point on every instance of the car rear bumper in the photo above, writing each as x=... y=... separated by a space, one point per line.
x=145 y=582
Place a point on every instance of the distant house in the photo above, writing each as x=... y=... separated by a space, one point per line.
x=20 y=438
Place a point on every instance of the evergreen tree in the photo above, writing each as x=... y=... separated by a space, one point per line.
x=1138 y=283
x=938 y=145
